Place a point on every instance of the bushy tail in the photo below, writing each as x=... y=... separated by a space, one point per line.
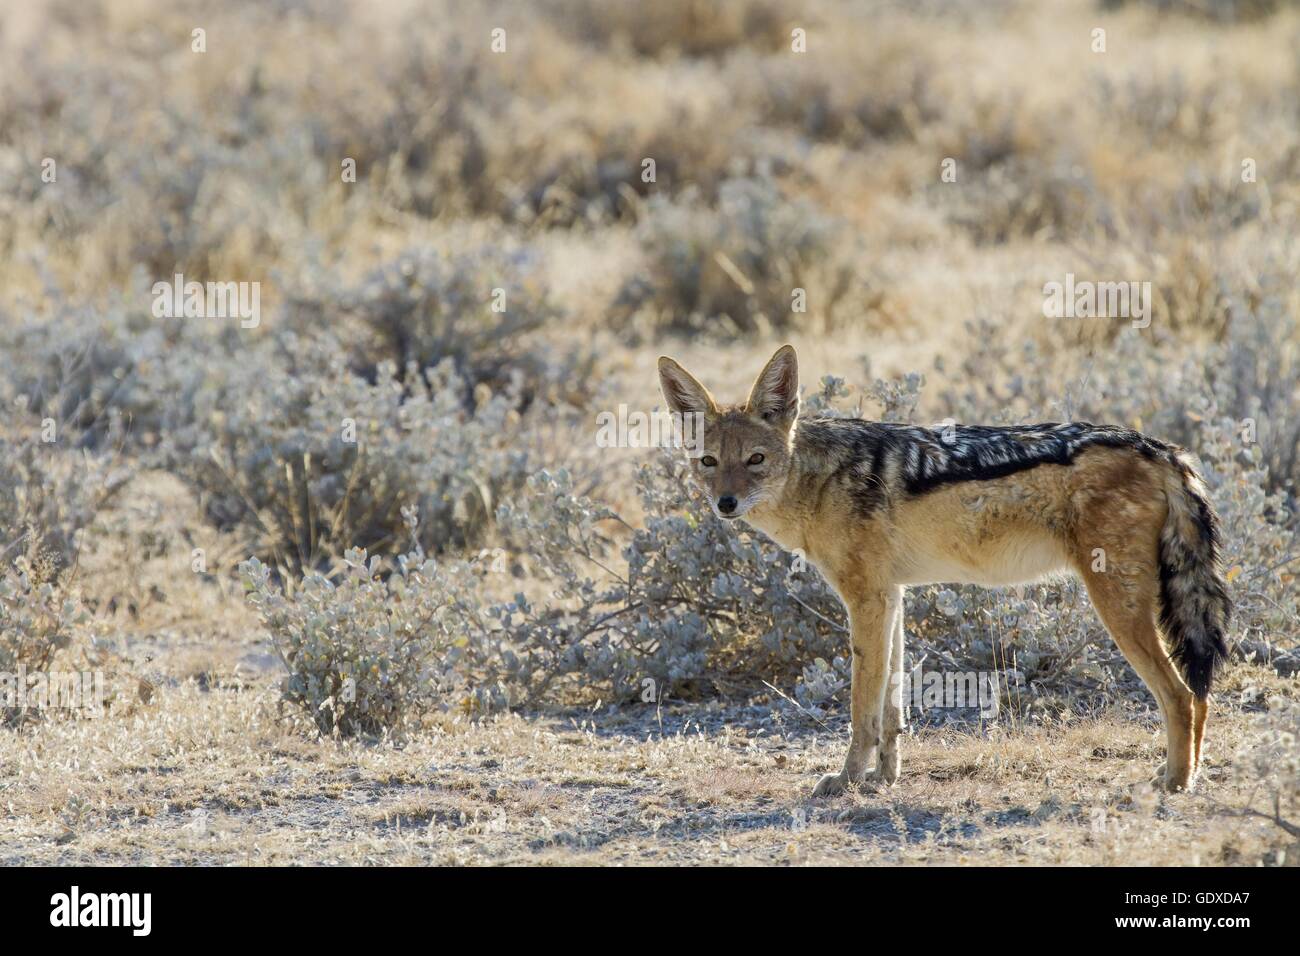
x=1194 y=602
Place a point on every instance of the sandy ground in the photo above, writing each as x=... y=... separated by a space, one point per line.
x=216 y=776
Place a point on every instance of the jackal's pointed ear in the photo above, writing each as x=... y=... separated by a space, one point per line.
x=682 y=391
x=775 y=395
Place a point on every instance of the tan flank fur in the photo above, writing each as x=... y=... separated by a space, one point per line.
x=878 y=507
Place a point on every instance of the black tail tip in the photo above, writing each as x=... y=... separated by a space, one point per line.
x=1200 y=678
x=1200 y=662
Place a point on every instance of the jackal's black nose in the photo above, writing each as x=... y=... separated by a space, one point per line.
x=727 y=504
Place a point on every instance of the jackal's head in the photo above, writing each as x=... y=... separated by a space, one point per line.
x=746 y=449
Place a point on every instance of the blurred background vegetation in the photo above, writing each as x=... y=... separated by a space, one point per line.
x=522 y=170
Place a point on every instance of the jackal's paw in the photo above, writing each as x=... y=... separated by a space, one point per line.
x=878 y=780
x=888 y=770
x=830 y=785
x=1172 y=783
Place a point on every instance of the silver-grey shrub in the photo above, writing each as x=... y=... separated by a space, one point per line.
x=37 y=615
x=741 y=260
x=310 y=459
x=373 y=652
x=425 y=307
x=49 y=494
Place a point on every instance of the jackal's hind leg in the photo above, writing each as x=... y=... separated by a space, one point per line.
x=1200 y=710
x=1125 y=598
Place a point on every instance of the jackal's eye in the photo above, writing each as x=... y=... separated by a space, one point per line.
x=756 y=459
x=708 y=461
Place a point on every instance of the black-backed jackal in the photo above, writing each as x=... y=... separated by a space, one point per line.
x=880 y=506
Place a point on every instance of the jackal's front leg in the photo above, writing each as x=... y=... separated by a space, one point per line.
x=871 y=619
x=889 y=764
